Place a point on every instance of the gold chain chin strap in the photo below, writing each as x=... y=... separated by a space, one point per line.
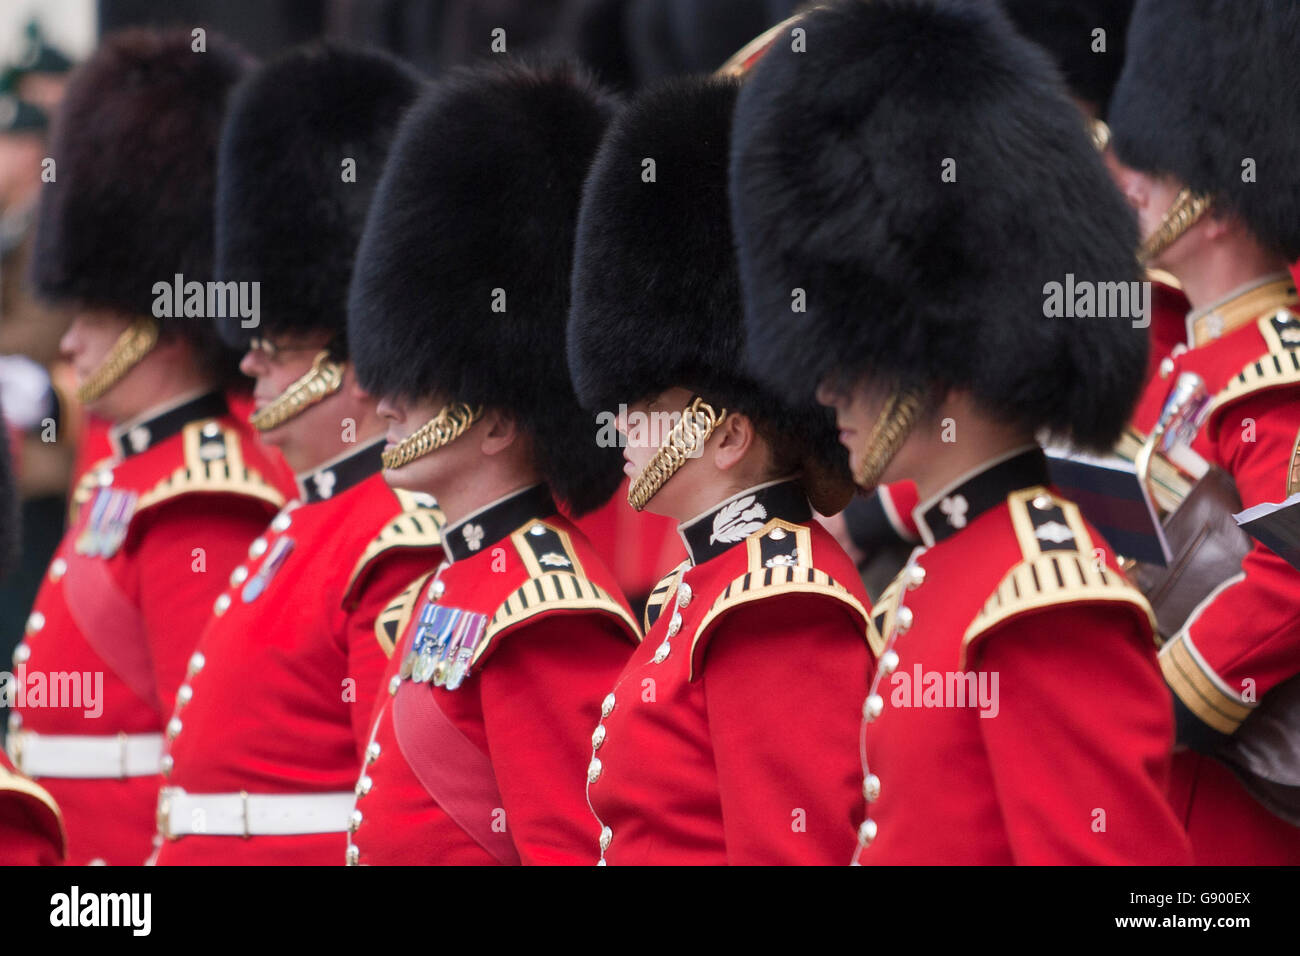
x=131 y=346
x=895 y=423
x=443 y=429
x=324 y=379
x=1187 y=209
x=685 y=439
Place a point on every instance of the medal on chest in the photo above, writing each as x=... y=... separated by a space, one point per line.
x=105 y=529
x=443 y=645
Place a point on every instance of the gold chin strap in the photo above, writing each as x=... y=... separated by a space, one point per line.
x=1187 y=209
x=131 y=346
x=443 y=429
x=896 y=421
x=324 y=379
x=686 y=438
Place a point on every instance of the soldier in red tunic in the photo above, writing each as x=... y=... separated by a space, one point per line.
x=729 y=735
x=273 y=717
x=1195 y=115
x=1018 y=714
x=161 y=524
x=457 y=316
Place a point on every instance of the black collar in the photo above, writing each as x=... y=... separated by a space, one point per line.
x=485 y=527
x=735 y=519
x=154 y=428
x=976 y=492
x=337 y=476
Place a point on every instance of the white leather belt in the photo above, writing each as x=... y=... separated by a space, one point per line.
x=85 y=757
x=252 y=814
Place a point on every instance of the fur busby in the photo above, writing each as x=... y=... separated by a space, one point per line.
x=902 y=198
x=656 y=293
x=1064 y=28
x=301 y=153
x=135 y=147
x=461 y=287
x=1206 y=85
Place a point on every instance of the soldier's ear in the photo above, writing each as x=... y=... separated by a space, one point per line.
x=733 y=441
x=498 y=431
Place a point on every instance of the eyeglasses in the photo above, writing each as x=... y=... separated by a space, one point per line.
x=271 y=351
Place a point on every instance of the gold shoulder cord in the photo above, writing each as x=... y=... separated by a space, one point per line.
x=131 y=346
x=443 y=429
x=1187 y=209
x=684 y=441
x=323 y=380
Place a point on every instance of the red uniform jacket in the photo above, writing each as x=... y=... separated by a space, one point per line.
x=479 y=739
x=283 y=682
x=1019 y=715
x=157 y=532
x=731 y=734
x=1245 y=640
x=31 y=826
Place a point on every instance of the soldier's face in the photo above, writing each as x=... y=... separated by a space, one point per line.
x=403 y=417
x=274 y=364
x=857 y=409
x=1151 y=197
x=86 y=344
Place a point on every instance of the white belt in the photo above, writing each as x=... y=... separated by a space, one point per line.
x=85 y=757
x=252 y=814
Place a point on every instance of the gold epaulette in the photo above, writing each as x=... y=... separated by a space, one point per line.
x=1280 y=365
x=1058 y=566
x=780 y=562
x=17 y=783
x=417 y=525
x=392 y=620
x=663 y=593
x=556 y=582
x=214 y=462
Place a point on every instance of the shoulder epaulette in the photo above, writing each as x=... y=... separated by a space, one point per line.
x=392 y=620
x=214 y=462
x=556 y=582
x=663 y=593
x=1280 y=365
x=1058 y=566
x=780 y=562
x=417 y=525
x=17 y=783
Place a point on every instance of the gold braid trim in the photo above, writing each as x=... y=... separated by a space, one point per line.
x=324 y=379
x=1186 y=211
x=131 y=346
x=443 y=429
x=895 y=423
x=684 y=441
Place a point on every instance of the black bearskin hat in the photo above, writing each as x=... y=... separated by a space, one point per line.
x=461 y=287
x=1208 y=84
x=915 y=181
x=135 y=148
x=301 y=153
x=656 y=295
